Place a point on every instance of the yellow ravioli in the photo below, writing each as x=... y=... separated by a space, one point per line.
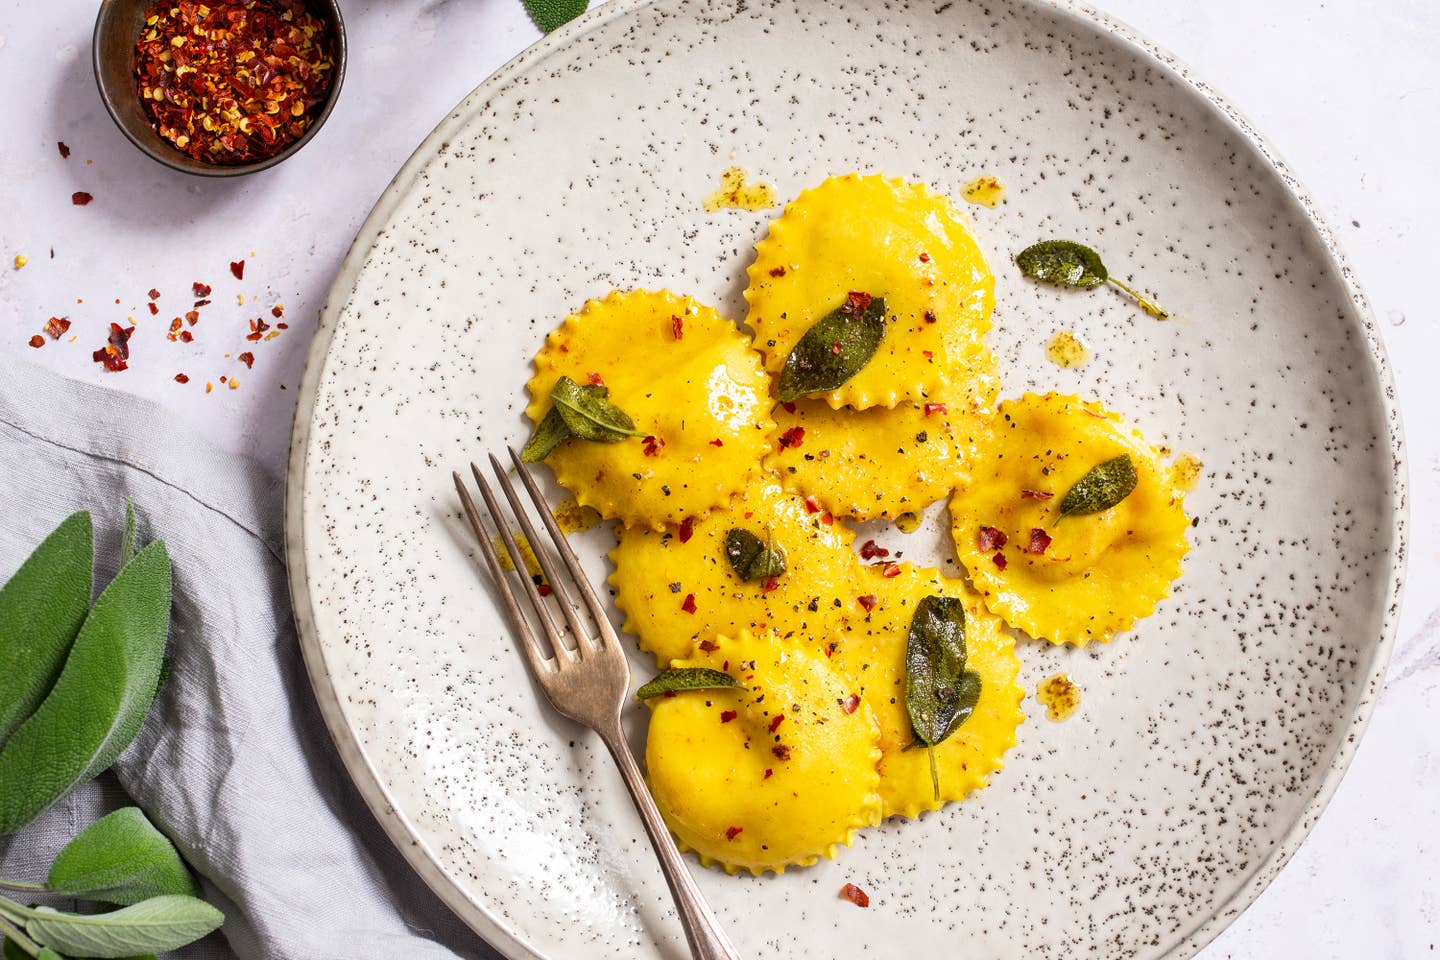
x=882 y=463
x=873 y=653
x=773 y=775
x=889 y=239
x=661 y=578
x=691 y=383
x=1098 y=573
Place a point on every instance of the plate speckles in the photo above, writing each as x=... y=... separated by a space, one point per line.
x=1208 y=741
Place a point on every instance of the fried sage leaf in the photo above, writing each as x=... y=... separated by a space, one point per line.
x=940 y=694
x=1102 y=488
x=752 y=558
x=549 y=434
x=835 y=348
x=685 y=678
x=589 y=414
x=1066 y=263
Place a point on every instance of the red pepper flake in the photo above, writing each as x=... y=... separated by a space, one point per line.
x=248 y=359
x=855 y=895
x=1039 y=540
x=709 y=646
x=80 y=198
x=727 y=715
x=890 y=571
x=924 y=257
x=116 y=351
x=653 y=446
x=201 y=303
x=812 y=505
x=868 y=601
x=991 y=539
x=792 y=438
x=38 y=341
x=827 y=518
x=237 y=267
x=1036 y=495
x=788 y=406
x=677 y=328
x=768 y=773
x=775 y=721
x=153 y=294
x=544 y=589
x=596 y=380
x=186 y=336
x=770 y=584
x=282 y=326
x=835 y=348
x=689 y=605
x=869 y=550
x=927 y=354
x=57 y=326
x=777 y=271
x=193 y=316
x=851 y=704
x=154 y=310
x=181 y=378
x=201 y=290
x=64 y=150
x=732 y=832
x=1000 y=562
x=277 y=312
x=781 y=751
x=687 y=529
x=857 y=302
x=930 y=316
x=936 y=408
x=717 y=442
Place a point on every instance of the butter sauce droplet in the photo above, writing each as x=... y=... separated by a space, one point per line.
x=736 y=192
x=986 y=191
x=1060 y=696
x=1067 y=351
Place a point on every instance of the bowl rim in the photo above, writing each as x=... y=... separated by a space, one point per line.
x=171 y=156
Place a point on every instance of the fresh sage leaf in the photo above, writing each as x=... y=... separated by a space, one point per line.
x=127 y=545
x=1066 y=263
x=1102 y=488
x=549 y=433
x=12 y=951
x=752 y=558
x=121 y=858
x=551 y=15
x=589 y=414
x=150 y=926
x=102 y=695
x=41 y=610
x=685 y=678
x=835 y=349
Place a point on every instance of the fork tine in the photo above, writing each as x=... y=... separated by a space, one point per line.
x=528 y=644
x=567 y=606
x=517 y=559
x=572 y=563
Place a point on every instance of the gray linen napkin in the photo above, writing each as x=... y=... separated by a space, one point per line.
x=234 y=763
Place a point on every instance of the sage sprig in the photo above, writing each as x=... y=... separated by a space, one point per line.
x=677 y=679
x=578 y=411
x=835 y=348
x=752 y=558
x=1102 y=487
x=1066 y=263
x=940 y=694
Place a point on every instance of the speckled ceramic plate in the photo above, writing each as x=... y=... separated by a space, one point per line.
x=1207 y=741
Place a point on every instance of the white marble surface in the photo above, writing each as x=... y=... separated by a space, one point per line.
x=1349 y=92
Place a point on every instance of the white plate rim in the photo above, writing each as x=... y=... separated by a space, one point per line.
x=398 y=827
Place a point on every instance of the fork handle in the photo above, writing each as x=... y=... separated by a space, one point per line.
x=707 y=940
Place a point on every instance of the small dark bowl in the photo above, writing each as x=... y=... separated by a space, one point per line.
x=113 y=51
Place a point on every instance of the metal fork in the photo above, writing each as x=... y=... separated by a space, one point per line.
x=588 y=682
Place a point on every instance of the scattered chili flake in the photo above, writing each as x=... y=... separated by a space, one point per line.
x=1000 y=562
x=930 y=316
x=596 y=380
x=181 y=378
x=890 y=571
x=232 y=81
x=835 y=348
x=201 y=290
x=677 y=328
x=57 y=327
x=991 y=539
x=653 y=446
x=154 y=310
x=153 y=294
x=709 y=646
x=237 y=267
x=687 y=529
x=775 y=721
x=1039 y=540
x=192 y=317
x=924 y=257
x=64 y=150
x=868 y=601
x=732 y=832
x=768 y=773
x=80 y=198
x=936 y=408
x=186 y=336
x=281 y=326
x=789 y=406
x=248 y=359
x=781 y=751
x=770 y=584
x=855 y=895
x=727 y=715
x=792 y=438
x=717 y=442
x=851 y=704
x=1036 y=495
x=120 y=339
x=777 y=271
x=857 y=302
x=37 y=341
x=869 y=550
x=812 y=505
x=543 y=589
x=116 y=352
x=827 y=518
x=201 y=303
x=927 y=354
x=277 y=312
x=689 y=605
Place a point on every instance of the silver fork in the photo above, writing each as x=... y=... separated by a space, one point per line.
x=588 y=682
